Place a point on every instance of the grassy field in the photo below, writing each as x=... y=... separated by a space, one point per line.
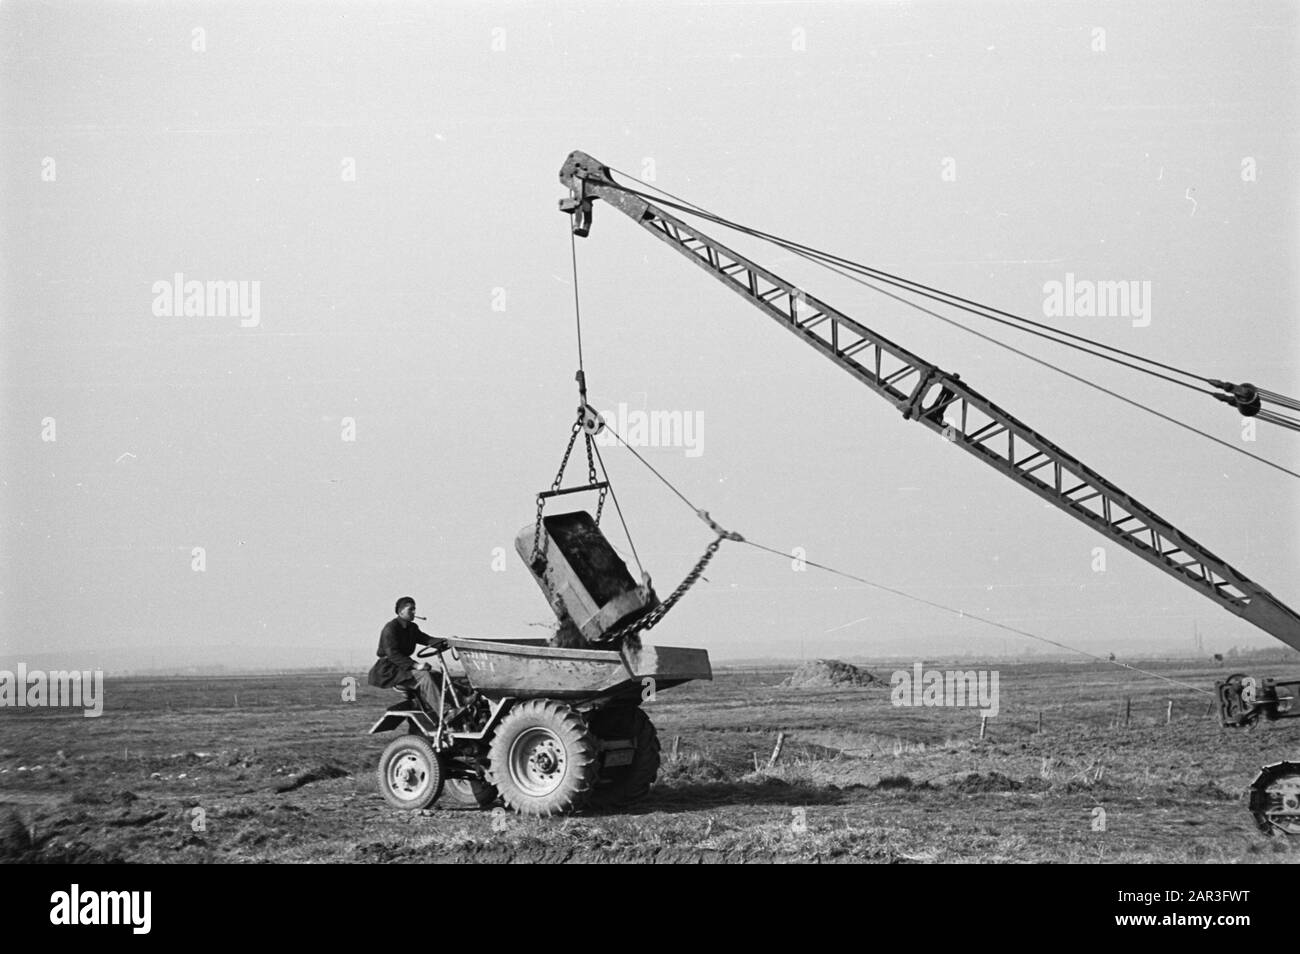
x=280 y=768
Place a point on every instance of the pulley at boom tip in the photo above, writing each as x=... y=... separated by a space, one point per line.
x=578 y=169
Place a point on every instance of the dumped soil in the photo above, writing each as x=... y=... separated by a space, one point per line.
x=828 y=673
x=599 y=568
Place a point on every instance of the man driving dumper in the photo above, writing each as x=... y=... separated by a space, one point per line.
x=395 y=668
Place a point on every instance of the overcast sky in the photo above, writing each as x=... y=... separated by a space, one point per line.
x=387 y=174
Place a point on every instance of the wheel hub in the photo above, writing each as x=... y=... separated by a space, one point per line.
x=409 y=775
x=544 y=761
x=537 y=761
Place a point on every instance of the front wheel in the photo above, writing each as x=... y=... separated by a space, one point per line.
x=410 y=773
x=543 y=759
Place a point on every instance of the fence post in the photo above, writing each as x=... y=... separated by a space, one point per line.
x=1169 y=712
x=776 y=752
x=984 y=722
x=677 y=741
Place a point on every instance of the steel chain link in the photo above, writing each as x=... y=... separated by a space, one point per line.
x=555 y=485
x=652 y=618
x=591 y=477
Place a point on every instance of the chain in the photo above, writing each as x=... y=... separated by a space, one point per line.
x=555 y=485
x=564 y=461
x=591 y=478
x=652 y=618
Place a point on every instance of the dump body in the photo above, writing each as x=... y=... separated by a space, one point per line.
x=531 y=669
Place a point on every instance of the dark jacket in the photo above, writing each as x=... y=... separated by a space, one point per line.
x=396 y=643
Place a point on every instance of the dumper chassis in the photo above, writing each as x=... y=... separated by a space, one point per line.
x=546 y=730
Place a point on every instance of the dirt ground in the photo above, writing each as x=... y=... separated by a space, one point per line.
x=280 y=768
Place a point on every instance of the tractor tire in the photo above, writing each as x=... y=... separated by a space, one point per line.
x=467 y=794
x=410 y=773
x=627 y=783
x=543 y=759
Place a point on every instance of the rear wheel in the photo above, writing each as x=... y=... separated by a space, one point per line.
x=1275 y=799
x=627 y=783
x=467 y=794
x=543 y=759
x=410 y=773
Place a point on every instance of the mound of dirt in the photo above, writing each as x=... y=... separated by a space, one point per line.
x=902 y=782
x=828 y=673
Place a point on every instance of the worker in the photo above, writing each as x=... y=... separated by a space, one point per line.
x=396 y=669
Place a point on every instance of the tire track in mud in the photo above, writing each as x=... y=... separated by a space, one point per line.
x=500 y=855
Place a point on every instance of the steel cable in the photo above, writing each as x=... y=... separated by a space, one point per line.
x=810 y=256
x=909 y=596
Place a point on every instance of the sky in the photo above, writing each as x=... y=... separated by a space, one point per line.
x=256 y=487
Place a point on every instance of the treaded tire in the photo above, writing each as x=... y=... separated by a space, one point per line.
x=627 y=783
x=410 y=773
x=467 y=794
x=543 y=760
